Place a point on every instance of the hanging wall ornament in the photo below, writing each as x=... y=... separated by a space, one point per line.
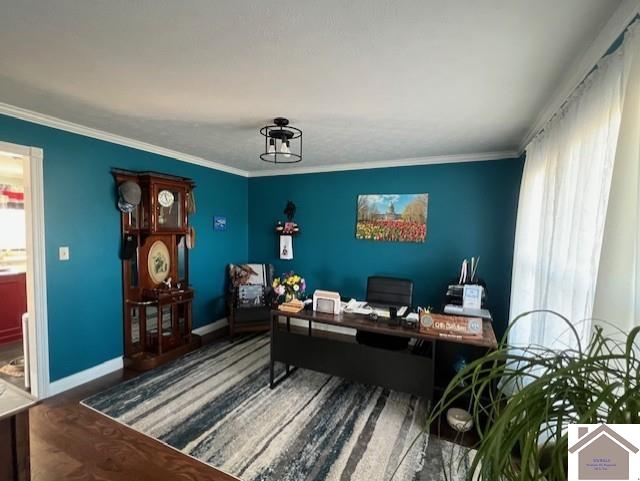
x=286 y=247
x=286 y=230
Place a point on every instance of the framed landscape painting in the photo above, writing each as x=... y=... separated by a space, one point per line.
x=392 y=217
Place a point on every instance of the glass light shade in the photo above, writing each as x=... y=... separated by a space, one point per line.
x=284 y=149
x=272 y=146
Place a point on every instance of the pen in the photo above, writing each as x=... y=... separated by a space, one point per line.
x=475 y=268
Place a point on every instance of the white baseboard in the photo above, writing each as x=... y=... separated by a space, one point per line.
x=213 y=326
x=85 y=376
x=115 y=364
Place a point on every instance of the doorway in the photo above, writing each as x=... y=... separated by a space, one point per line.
x=23 y=333
x=13 y=272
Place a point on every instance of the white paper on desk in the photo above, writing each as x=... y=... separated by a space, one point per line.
x=362 y=310
x=382 y=312
x=286 y=247
x=356 y=307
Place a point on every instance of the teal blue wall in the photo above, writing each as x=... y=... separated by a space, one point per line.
x=472 y=212
x=472 y=209
x=85 y=293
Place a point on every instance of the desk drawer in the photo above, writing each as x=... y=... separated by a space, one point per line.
x=396 y=370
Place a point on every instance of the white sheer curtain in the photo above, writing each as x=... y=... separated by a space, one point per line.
x=563 y=206
x=618 y=288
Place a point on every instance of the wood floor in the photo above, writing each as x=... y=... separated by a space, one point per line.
x=9 y=352
x=72 y=443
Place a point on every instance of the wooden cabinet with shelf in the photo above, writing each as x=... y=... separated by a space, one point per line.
x=157 y=316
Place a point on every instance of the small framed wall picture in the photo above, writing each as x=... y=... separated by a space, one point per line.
x=219 y=223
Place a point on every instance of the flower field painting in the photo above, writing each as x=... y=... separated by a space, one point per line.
x=392 y=217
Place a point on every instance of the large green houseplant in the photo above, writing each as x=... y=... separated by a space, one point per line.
x=522 y=402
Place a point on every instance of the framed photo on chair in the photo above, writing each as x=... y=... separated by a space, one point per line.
x=250 y=295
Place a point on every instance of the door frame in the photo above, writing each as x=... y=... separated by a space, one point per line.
x=33 y=162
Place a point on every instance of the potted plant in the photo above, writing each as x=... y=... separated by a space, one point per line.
x=522 y=401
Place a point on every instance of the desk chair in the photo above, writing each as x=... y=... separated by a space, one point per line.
x=387 y=291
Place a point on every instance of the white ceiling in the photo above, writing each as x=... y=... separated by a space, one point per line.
x=366 y=80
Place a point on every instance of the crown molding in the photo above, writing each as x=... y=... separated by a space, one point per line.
x=382 y=164
x=56 y=123
x=580 y=68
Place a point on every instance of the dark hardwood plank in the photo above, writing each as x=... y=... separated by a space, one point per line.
x=14 y=447
x=7 y=467
x=70 y=442
x=22 y=453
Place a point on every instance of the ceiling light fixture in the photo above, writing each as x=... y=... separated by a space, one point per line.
x=278 y=142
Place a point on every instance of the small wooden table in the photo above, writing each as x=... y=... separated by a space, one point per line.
x=397 y=370
x=14 y=433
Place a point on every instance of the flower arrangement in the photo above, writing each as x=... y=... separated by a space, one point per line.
x=391 y=230
x=290 y=286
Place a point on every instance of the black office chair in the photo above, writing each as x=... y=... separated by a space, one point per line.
x=387 y=291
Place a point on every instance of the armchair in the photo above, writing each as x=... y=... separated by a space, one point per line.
x=249 y=297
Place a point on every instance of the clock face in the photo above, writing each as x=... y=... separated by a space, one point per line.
x=165 y=198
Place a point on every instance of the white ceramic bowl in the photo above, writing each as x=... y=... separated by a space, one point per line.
x=459 y=419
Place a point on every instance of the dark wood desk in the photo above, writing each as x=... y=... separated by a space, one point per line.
x=14 y=433
x=397 y=370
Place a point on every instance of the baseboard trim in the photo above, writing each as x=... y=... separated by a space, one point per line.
x=211 y=327
x=115 y=364
x=82 y=377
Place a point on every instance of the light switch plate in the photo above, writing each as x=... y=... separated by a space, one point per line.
x=63 y=253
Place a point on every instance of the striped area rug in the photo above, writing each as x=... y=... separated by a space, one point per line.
x=215 y=404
